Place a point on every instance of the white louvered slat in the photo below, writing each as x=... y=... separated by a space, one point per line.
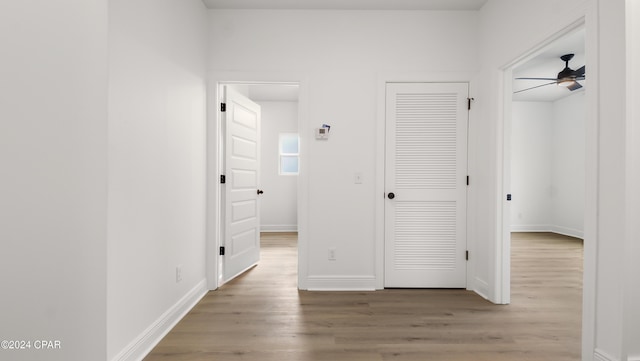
x=425 y=236
x=426 y=136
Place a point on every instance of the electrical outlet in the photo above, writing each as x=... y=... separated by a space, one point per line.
x=178 y=274
x=332 y=254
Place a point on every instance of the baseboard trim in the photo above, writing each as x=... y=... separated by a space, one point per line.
x=565 y=231
x=600 y=355
x=341 y=283
x=531 y=228
x=279 y=228
x=149 y=338
x=481 y=288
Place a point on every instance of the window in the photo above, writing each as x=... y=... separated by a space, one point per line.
x=289 y=153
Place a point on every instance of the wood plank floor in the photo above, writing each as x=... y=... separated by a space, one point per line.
x=262 y=316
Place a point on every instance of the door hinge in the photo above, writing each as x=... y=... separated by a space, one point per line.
x=466 y=255
x=222 y=251
x=467 y=180
x=223 y=179
x=469 y=100
x=223 y=107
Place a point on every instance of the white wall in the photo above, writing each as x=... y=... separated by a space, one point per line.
x=278 y=204
x=547 y=166
x=531 y=166
x=611 y=194
x=511 y=28
x=340 y=55
x=632 y=249
x=156 y=218
x=568 y=165
x=53 y=156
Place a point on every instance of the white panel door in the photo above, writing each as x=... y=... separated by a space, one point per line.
x=242 y=160
x=425 y=182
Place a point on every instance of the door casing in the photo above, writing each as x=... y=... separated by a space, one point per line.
x=214 y=222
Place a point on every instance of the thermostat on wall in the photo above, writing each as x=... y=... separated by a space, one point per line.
x=323 y=133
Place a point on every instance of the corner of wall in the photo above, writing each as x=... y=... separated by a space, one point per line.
x=481 y=287
x=150 y=337
x=600 y=355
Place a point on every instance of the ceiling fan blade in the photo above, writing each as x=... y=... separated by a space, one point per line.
x=579 y=72
x=523 y=90
x=548 y=79
x=574 y=86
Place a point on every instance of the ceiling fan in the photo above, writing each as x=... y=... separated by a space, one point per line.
x=567 y=77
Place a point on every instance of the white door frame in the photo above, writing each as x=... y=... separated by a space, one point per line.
x=504 y=160
x=632 y=249
x=503 y=249
x=214 y=162
x=382 y=81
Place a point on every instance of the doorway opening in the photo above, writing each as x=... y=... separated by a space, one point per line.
x=278 y=163
x=545 y=146
x=547 y=141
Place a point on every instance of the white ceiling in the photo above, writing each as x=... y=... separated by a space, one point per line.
x=547 y=64
x=348 y=4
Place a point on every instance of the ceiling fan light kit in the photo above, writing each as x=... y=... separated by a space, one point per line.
x=567 y=77
x=566 y=82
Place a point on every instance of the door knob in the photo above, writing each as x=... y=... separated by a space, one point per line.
x=260 y=191
x=391 y=195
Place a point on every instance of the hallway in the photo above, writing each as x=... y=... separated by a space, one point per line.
x=262 y=316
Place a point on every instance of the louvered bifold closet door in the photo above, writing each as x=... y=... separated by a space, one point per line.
x=425 y=169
